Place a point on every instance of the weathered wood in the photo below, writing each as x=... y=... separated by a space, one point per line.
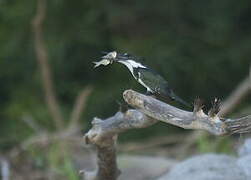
x=149 y=111
x=103 y=135
x=169 y=114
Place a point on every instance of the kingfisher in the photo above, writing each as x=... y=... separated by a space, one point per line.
x=154 y=83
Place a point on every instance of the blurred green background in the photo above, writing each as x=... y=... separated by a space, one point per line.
x=201 y=47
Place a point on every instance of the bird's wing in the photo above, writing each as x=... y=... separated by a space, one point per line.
x=154 y=81
x=158 y=85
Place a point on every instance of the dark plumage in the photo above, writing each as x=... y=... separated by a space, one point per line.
x=151 y=80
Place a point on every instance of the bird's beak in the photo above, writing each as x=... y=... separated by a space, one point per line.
x=115 y=57
x=120 y=57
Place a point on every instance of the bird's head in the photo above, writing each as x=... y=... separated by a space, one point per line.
x=128 y=60
x=123 y=58
x=115 y=56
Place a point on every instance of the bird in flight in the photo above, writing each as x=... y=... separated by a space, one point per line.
x=154 y=83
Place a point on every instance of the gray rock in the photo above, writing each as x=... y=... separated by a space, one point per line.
x=245 y=164
x=143 y=167
x=245 y=149
x=207 y=167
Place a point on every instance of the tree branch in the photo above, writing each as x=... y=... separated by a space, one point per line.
x=102 y=130
x=32 y=124
x=79 y=106
x=172 y=115
x=242 y=90
x=185 y=119
x=103 y=133
x=42 y=58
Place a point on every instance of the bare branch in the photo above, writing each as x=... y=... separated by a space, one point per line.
x=172 y=115
x=242 y=90
x=102 y=130
x=79 y=106
x=42 y=58
x=32 y=124
x=187 y=120
x=103 y=133
x=47 y=138
x=240 y=125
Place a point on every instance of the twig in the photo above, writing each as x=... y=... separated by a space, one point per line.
x=42 y=58
x=79 y=106
x=32 y=124
x=242 y=90
x=46 y=138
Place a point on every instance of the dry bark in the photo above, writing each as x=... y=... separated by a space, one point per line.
x=149 y=111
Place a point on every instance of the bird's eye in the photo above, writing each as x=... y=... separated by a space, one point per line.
x=126 y=54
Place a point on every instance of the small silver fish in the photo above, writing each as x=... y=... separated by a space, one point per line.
x=107 y=59
x=104 y=62
x=110 y=55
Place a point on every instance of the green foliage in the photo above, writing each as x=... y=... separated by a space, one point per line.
x=61 y=162
x=54 y=158
x=201 y=47
x=208 y=143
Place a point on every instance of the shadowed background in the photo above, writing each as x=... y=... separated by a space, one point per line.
x=201 y=47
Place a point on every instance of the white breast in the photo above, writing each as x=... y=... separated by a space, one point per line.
x=143 y=84
x=135 y=64
x=130 y=64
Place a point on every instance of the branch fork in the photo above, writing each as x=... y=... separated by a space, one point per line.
x=147 y=112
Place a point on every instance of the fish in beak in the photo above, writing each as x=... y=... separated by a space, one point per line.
x=107 y=59
x=111 y=57
x=122 y=57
